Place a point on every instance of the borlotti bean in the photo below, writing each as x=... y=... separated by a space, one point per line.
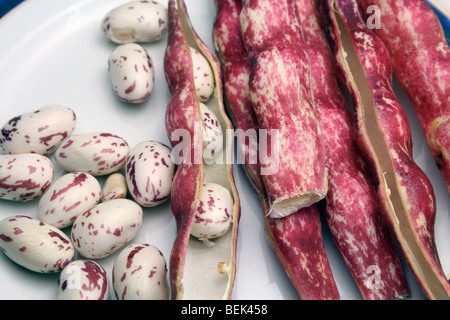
x=214 y=212
x=296 y=239
x=212 y=133
x=83 y=280
x=97 y=153
x=139 y=273
x=382 y=132
x=40 y=131
x=131 y=72
x=198 y=269
x=35 y=245
x=115 y=187
x=136 y=21
x=67 y=198
x=203 y=76
x=24 y=177
x=149 y=173
x=106 y=227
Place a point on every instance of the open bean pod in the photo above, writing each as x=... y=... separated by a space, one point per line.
x=351 y=209
x=405 y=194
x=297 y=238
x=420 y=59
x=201 y=267
x=294 y=174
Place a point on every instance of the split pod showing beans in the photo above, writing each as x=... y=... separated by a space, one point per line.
x=405 y=194
x=203 y=259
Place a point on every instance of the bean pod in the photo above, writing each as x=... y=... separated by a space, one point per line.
x=24 y=177
x=35 y=245
x=40 y=131
x=67 y=198
x=192 y=263
x=294 y=174
x=297 y=238
x=420 y=59
x=106 y=227
x=382 y=131
x=136 y=21
x=83 y=280
x=351 y=209
x=139 y=273
x=97 y=153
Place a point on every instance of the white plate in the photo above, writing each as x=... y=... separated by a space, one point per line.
x=54 y=52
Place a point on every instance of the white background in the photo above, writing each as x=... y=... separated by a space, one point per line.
x=53 y=52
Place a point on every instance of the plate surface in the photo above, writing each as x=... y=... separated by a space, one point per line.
x=53 y=52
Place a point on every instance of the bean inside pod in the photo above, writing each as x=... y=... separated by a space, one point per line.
x=200 y=267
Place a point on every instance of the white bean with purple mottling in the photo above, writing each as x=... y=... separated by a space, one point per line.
x=83 y=280
x=68 y=197
x=139 y=273
x=131 y=72
x=149 y=172
x=212 y=135
x=106 y=227
x=214 y=212
x=24 y=177
x=115 y=187
x=35 y=245
x=203 y=76
x=40 y=131
x=136 y=21
x=98 y=153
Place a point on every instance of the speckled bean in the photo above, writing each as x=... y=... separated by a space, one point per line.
x=83 y=280
x=139 y=273
x=214 y=212
x=115 y=187
x=203 y=76
x=67 y=198
x=212 y=134
x=40 y=131
x=24 y=177
x=136 y=21
x=35 y=245
x=149 y=173
x=106 y=227
x=97 y=153
x=131 y=72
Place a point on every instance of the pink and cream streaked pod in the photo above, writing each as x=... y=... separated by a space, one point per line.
x=25 y=176
x=35 y=245
x=280 y=91
x=83 y=280
x=198 y=269
x=351 y=209
x=40 y=131
x=297 y=238
x=382 y=131
x=420 y=59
